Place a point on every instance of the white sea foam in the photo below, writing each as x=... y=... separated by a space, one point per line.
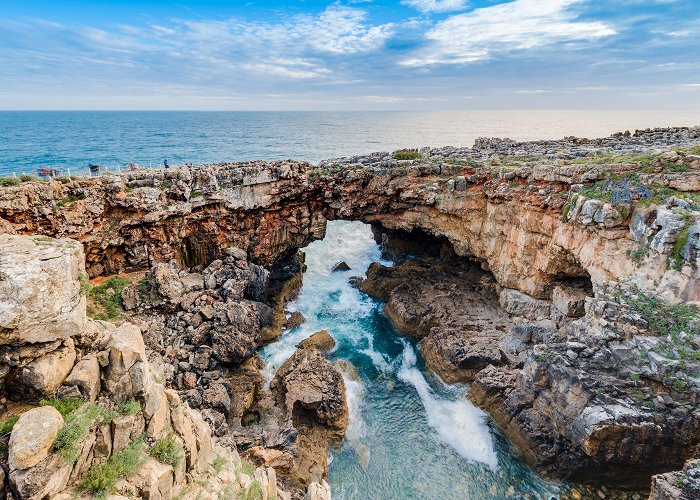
x=458 y=423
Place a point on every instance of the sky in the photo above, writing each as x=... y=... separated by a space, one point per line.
x=350 y=55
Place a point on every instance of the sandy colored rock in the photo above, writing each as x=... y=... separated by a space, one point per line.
x=40 y=290
x=33 y=436
x=320 y=340
x=86 y=377
x=45 y=374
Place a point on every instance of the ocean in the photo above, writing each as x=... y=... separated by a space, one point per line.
x=73 y=139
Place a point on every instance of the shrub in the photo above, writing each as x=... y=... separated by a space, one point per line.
x=65 y=406
x=9 y=181
x=196 y=193
x=406 y=154
x=129 y=407
x=78 y=423
x=28 y=178
x=253 y=492
x=102 y=479
x=168 y=451
x=69 y=200
x=6 y=425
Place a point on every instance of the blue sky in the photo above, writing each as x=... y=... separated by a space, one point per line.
x=298 y=55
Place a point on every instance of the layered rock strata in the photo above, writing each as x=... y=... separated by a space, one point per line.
x=605 y=228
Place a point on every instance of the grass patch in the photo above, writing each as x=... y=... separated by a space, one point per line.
x=65 y=406
x=218 y=463
x=28 y=178
x=85 y=285
x=681 y=241
x=6 y=425
x=671 y=167
x=168 y=451
x=145 y=289
x=69 y=200
x=253 y=492
x=9 y=181
x=129 y=407
x=196 y=193
x=78 y=423
x=108 y=298
x=102 y=479
x=406 y=154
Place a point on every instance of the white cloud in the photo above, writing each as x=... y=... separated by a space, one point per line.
x=437 y=5
x=518 y=25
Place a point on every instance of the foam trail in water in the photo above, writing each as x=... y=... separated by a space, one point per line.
x=458 y=423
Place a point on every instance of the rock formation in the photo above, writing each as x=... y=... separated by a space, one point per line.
x=560 y=277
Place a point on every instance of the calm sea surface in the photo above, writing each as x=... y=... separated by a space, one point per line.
x=61 y=139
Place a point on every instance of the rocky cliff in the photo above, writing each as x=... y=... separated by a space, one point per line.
x=567 y=274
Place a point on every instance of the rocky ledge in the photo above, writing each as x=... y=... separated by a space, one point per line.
x=558 y=278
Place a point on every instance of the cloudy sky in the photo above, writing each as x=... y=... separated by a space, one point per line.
x=398 y=54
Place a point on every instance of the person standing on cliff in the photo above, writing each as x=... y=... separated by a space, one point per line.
x=165 y=163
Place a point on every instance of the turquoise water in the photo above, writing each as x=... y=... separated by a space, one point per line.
x=72 y=139
x=410 y=435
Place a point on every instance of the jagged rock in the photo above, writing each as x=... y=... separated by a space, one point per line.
x=45 y=374
x=318 y=491
x=154 y=481
x=320 y=340
x=127 y=373
x=295 y=319
x=570 y=301
x=341 y=266
x=216 y=396
x=680 y=485
x=40 y=289
x=85 y=376
x=457 y=355
x=156 y=410
x=33 y=436
x=310 y=384
x=521 y=304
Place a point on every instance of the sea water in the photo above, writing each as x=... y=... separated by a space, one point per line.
x=410 y=435
x=73 y=139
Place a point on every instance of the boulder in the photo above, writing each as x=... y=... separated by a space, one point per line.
x=320 y=340
x=313 y=388
x=33 y=436
x=318 y=491
x=341 y=266
x=457 y=355
x=677 y=485
x=45 y=374
x=569 y=300
x=295 y=319
x=85 y=377
x=40 y=299
x=154 y=481
x=520 y=304
x=126 y=374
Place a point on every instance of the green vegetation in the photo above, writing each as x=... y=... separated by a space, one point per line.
x=9 y=181
x=638 y=255
x=218 y=463
x=129 y=407
x=65 y=406
x=196 y=193
x=681 y=241
x=166 y=185
x=643 y=160
x=168 y=451
x=406 y=154
x=69 y=200
x=145 y=289
x=102 y=479
x=28 y=178
x=542 y=358
x=246 y=467
x=78 y=423
x=676 y=325
x=108 y=298
x=6 y=425
x=85 y=285
x=671 y=167
x=253 y=492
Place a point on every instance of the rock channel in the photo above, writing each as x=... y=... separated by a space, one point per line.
x=558 y=278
